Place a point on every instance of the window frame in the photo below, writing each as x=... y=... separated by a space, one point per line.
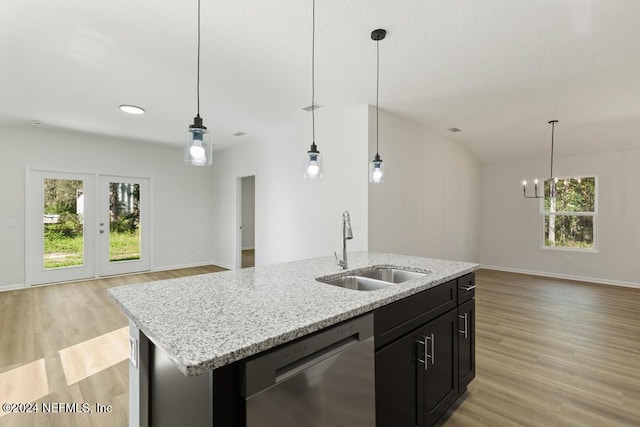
x=593 y=214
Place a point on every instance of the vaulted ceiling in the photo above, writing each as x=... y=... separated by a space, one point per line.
x=496 y=69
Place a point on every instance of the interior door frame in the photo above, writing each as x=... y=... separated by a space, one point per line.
x=34 y=235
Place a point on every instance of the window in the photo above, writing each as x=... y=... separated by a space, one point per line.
x=570 y=214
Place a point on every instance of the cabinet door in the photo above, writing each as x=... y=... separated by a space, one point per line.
x=396 y=370
x=438 y=383
x=466 y=344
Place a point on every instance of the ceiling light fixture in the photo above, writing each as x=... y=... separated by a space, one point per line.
x=197 y=150
x=376 y=167
x=313 y=158
x=552 y=181
x=131 y=109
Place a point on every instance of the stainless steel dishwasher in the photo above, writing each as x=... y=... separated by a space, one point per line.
x=324 y=380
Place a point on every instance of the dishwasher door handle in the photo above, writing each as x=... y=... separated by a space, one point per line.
x=294 y=368
x=275 y=366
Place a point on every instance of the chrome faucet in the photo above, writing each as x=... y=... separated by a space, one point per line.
x=347 y=234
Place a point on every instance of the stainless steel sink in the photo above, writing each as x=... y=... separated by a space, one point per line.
x=356 y=283
x=391 y=275
x=373 y=279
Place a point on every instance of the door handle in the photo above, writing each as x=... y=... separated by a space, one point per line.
x=466 y=329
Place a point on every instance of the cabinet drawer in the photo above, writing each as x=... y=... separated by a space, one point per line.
x=396 y=319
x=466 y=287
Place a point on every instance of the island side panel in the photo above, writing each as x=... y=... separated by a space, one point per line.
x=161 y=395
x=175 y=399
x=138 y=377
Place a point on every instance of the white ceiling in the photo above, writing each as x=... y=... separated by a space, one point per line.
x=497 y=69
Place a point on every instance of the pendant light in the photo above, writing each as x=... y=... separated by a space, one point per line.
x=313 y=158
x=376 y=167
x=552 y=181
x=198 y=149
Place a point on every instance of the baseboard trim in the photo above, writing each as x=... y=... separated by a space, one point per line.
x=563 y=276
x=190 y=265
x=224 y=265
x=16 y=287
x=13 y=287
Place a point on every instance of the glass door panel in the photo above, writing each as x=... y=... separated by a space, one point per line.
x=63 y=223
x=124 y=221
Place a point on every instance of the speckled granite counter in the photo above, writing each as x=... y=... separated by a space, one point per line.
x=204 y=322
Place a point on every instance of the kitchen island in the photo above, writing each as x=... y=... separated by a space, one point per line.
x=201 y=328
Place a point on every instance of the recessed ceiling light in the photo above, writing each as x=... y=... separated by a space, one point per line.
x=131 y=109
x=239 y=134
x=454 y=130
x=37 y=122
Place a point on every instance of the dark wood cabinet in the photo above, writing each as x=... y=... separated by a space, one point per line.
x=466 y=344
x=424 y=358
x=397 y=383
x=438 y=381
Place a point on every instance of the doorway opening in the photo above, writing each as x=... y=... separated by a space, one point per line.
x=247 y=216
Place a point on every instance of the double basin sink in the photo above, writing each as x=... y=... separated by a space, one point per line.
x=373 y=278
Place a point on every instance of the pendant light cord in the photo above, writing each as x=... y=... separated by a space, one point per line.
x=198 y=73
x=553 y=128
x=313 y=67
x=377 y=89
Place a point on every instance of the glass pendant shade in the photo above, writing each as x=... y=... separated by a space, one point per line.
x=313 y=163
x=198 y=148
x=376 y=170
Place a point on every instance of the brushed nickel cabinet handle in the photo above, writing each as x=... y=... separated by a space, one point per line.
x=424 y=346
x=431 y=356
x=466 y=329
x=468 y=288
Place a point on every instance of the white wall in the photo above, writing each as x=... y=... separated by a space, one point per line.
x=296 y=219
x=429 y=201
x=511 y=226
x=248 y=212
x=182 y=199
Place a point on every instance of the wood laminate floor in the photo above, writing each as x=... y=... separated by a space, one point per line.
x=248 y=258
x=67 y=344
x=549 y=352
x=553 y=353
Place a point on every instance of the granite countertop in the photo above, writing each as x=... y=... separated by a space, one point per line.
x=207 y=321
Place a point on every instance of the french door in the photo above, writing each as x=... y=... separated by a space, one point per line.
x=123 y=225
x=81 y=226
